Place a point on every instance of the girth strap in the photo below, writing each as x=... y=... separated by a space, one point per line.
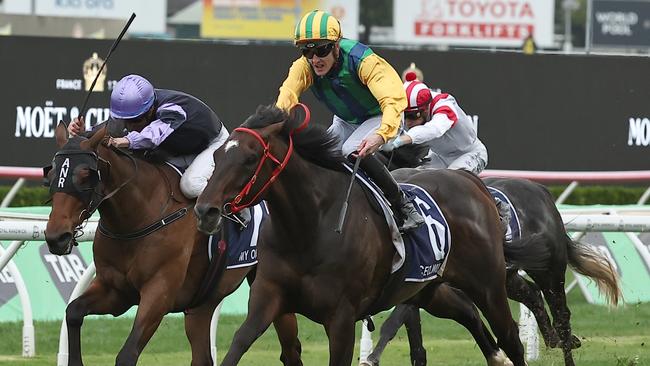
x=144 y=231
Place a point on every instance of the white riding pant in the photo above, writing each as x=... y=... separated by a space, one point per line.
x=351 y=135
x=200 y=169
x=473 y=160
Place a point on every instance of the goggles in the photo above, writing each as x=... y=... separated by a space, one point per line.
x=411 y=115
x=320 y=51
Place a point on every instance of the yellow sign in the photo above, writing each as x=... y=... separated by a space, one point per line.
x=253 y=19
x=90 y=69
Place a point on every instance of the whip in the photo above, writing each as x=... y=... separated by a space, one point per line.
x=113 y=47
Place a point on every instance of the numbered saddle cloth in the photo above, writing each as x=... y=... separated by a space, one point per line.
x=242 y=242
x=428 y=245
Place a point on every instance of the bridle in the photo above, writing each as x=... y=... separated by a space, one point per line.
x=96 y=198
x=235 y=205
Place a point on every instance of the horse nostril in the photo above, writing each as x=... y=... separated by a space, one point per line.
x=59 y=244
x=201 y=209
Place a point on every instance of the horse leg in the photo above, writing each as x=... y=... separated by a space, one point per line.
x=97 y=299
x=390 y=327
x=529 y=294
x=156 y=300
x=264 y=306
x=451 y=303
x=413 y=326
x=197 y=330
x=198 y=320
x=553 y=288
x=340 y=332
x=286 y=326
x=492 y=300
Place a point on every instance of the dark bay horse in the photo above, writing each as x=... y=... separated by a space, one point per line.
x=161 y=268
x=336 y=279
x=541 y=225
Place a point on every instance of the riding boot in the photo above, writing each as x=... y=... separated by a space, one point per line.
x=408 y=217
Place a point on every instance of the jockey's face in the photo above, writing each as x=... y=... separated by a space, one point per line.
x=140 y=122
x=323 y=64
x=412 y=119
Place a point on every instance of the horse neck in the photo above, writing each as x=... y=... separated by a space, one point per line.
x=139 y=200
x=302 y=193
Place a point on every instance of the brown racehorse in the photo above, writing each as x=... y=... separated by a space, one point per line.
x=336 y=279
x=541 y=224
x=160 y=269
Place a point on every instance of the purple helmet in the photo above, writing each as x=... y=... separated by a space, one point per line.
x=132 y=96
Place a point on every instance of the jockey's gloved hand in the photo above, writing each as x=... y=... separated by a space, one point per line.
x=392 y=144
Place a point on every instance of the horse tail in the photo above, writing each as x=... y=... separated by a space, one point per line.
x=586 y=260
x=527 y=254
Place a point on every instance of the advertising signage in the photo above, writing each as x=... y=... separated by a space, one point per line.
x=534 y=112
x=271 y=19
x=621 y=23
x=491 y=23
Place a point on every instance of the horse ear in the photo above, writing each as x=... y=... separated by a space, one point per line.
x=299 y=117
x=61 y=134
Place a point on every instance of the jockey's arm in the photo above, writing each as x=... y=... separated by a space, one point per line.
x=297 y=81
x=435 y=128
x=386 y=86
x=170 y=117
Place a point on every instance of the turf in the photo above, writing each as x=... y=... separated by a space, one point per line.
x=619 y=337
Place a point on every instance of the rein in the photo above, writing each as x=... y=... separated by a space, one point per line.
x=234 y=206
x=156 y=225
x=146 y=230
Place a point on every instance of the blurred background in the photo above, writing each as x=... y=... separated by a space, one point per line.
x=566 y=25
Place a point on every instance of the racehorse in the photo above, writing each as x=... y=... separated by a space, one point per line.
x=147 y=249
x=335 y=279
x=542 y=226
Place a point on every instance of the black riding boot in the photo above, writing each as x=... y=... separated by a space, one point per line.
x=402 y=207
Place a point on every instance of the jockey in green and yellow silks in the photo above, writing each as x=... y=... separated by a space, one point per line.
x=361 y=89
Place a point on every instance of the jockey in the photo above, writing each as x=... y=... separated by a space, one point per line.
x=363 y=92
x=177 y=124
x=437 y=120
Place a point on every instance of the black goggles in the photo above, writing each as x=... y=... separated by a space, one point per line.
x=320 y=51
x=412 y=115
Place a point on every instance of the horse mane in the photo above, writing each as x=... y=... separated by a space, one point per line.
x=313 y=143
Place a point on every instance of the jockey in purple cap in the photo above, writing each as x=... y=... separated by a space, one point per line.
x=179 y=125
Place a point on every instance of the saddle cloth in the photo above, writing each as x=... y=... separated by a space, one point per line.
x=242 y=242
x=428 y=245
x=513 y=232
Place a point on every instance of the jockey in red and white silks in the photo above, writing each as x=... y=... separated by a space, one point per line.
x=436 y=119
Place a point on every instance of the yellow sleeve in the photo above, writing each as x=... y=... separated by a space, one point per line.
x=386 y=86
x=298 y=80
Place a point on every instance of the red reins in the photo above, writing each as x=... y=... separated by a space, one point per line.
x=234 y=206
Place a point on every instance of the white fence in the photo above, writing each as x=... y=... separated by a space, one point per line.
x=25 y=227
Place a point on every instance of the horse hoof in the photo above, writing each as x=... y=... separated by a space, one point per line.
x=367 y=363
x=575 y=342
x=500 y=359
